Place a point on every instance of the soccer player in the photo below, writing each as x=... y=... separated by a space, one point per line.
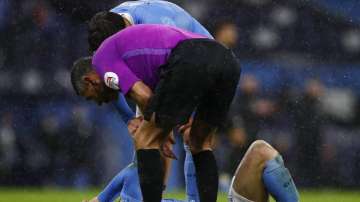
x=106 y=23
x=169 y=73
x=260 y=173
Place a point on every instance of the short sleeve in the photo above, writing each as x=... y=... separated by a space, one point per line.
x=112 y=69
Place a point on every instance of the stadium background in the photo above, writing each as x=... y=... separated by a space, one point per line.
x=299 y=91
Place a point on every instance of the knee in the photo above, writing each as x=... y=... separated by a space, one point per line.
x=149 y=143
x=197 y=146
x=262 y=151
x=144 y=140
x=140 y=143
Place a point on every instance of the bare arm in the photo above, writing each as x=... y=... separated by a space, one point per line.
x=141 y=94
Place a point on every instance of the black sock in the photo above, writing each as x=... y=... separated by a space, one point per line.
x=206 y=175
x=151 y=174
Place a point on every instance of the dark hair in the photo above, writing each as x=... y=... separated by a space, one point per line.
x=80 y=67
x=103 y=25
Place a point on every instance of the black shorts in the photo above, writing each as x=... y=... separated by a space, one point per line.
x=200 y=75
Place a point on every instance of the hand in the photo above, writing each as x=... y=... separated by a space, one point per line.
x=166 y=147
x=134 y=124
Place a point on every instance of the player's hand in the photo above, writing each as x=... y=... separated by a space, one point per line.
x=166 y=147
x=134 y=124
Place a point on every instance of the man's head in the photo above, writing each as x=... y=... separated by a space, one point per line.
x=103 y=25
x=87 y=83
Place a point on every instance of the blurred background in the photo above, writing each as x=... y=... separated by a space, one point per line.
x=299 y=91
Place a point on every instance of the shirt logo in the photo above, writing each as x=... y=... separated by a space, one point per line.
x=111 y=80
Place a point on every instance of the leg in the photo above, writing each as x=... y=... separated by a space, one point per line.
x=148 y=139
x=211 y=113
x=190 y=80
x=205 y=164
x=192 y=193
x=248 y=176
x=262 y=171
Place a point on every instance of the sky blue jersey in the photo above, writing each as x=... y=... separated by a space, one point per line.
x=159 y=12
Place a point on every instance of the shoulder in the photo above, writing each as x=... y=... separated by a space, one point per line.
x=103 y=51
x=127 y=6
x=128 y=10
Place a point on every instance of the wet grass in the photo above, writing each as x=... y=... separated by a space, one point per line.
x=71 y=195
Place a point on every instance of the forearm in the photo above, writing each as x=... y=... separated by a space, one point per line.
x=141 y=94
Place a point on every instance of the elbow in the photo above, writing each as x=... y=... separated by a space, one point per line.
x=141 y=94
x=145 y=99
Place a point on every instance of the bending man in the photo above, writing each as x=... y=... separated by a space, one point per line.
x=169 y=73
x=106 y=23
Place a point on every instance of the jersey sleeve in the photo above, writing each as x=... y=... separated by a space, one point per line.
x=114 y=188
x=124 y=110
x=112 y=69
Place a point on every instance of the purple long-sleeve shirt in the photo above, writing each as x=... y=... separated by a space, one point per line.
x=136 y=53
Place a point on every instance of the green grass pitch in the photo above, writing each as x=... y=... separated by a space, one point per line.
x=67 y=195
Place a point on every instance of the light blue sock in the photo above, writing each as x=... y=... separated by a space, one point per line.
x=278 y=181
x=192 y=194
